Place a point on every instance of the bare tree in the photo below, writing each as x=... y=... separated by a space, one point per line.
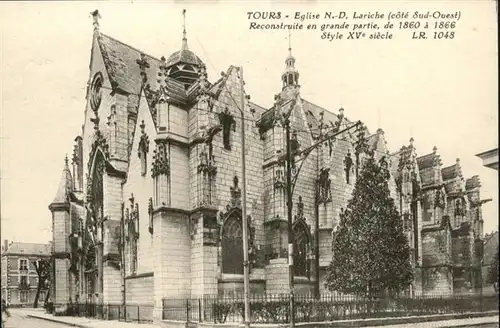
x=42 y=267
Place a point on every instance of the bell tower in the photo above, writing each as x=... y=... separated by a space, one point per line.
x=290 y=76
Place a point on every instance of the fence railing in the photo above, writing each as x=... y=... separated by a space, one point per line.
x=275 y=308
x=129 y=313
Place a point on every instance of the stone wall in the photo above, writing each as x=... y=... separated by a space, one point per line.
x=172 y=266
x=139 y=289
x=436 y=261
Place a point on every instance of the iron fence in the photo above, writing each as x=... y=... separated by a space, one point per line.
x=275 y=308
x=189 y=310
x=140 y=313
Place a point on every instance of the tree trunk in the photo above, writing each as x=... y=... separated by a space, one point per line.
x=37 y=295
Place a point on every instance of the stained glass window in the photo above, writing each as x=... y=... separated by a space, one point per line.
x=232 y=246
x=300 y=250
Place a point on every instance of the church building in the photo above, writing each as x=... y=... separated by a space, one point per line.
x=149 y=206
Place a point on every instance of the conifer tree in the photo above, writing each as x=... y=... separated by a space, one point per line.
x=371 y=253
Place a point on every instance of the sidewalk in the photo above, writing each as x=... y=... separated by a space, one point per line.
x=81 y=322
x=450 y=323
x=487 y=321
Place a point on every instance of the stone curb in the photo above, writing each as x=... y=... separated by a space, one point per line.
x=346 y=323
x=57 y=321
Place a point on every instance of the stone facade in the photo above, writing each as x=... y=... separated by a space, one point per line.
x=19 y=277
x=153 y=203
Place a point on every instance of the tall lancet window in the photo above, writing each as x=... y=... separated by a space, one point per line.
x=347 y=166
x=300 y=249
x=232 y=245
x=143 y=149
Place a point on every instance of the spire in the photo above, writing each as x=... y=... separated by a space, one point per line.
x=290 y=60
x=184 y=37
x=290 y=43
x=290 y=76
x=65 y=185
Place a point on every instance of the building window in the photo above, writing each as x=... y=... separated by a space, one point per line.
x=232 y=246
x=300 y=250
x=23 y=265
x=427 y=211
x=228 y=123
x=23 y=296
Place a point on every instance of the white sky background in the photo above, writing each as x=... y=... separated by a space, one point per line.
x=443 y=92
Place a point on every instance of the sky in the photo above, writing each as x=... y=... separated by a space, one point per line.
x=442 y=93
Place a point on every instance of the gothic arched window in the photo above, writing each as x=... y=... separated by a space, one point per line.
x=300 y=250
x=97 y=186
x=232 y=246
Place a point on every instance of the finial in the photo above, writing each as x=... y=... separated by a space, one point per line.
x=66 y=160
x=290 y=41
x=458 y=160
x=143 y=65
x=96 y=16
x=184 y=37
x=411 y=141
x=434 y=150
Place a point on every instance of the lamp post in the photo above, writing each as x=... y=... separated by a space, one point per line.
x=246 y=275
x=289 y=209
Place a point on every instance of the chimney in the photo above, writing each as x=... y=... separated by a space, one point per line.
x=5 y=245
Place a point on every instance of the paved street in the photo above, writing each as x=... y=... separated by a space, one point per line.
x=18 y=320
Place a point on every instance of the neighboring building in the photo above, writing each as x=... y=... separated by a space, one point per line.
x=156 y=172
x=19 y=277
x=490 y=158
x=490 y=253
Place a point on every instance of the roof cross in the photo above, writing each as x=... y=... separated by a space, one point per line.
x=184 y=37
x=96 y=16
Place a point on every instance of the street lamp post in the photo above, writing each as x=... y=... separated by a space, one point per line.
x=290 y=187
x=246 y=275
x=289 y=208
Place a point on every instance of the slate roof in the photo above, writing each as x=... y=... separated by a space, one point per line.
x=125 y=74
x=472 y=183
x=29 y=249
x=428 y=160
x=451 y=172
x=184 y=56
x=313 y=111
x=312 y=115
